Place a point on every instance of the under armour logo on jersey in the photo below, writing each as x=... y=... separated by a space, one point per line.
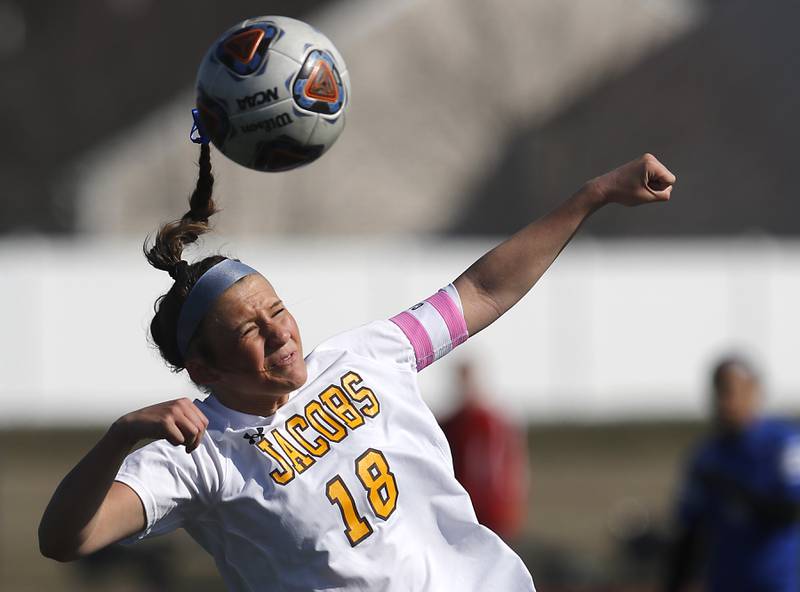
x=254 y=438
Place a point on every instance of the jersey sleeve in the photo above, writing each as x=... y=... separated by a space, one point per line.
x=413 y=339
x=433 y=327
x=171 y=484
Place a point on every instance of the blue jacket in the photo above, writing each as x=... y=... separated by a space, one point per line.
x=744 y=492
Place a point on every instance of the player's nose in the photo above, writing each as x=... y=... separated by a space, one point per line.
x=276 y=337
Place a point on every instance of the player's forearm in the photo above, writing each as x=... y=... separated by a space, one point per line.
x=72 y=513
x=500 y=278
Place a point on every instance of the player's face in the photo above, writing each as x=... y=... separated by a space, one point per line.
x=736 y=399
x=254 y=343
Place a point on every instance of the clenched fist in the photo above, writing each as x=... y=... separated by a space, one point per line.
x=179 y=422
x=641 y=181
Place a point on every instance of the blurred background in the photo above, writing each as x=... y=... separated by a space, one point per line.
x=468 y=119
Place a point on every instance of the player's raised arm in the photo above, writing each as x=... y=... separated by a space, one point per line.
x=90 y=510
x=496 y=281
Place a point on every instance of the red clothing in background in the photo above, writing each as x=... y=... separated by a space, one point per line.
x=489 y=457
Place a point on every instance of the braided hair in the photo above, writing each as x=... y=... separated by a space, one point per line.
x=166 y=254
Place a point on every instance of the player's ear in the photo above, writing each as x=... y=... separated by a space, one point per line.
x=200 y=372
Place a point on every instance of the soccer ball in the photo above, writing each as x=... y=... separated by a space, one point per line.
x=272 y=93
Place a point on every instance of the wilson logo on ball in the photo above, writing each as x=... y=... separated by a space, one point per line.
x=267 y=125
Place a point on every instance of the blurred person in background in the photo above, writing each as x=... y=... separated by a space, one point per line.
x=489 y=457
x=741 y=494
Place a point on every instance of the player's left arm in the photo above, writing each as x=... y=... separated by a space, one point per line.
x=499 y=279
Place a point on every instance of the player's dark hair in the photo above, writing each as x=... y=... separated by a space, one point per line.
x=729 y=362
x=166 y=254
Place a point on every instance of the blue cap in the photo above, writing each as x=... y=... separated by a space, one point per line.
x=204 y=294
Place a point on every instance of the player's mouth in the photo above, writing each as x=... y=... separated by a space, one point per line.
x=282 y=361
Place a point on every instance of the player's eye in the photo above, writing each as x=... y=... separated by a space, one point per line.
x=249 y=331
x=277 y=312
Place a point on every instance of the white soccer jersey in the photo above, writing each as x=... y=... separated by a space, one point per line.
x=348 y=486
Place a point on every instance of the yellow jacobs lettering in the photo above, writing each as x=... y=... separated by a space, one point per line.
x=332 y=414
x=324 y=422
x=318 y=447
x=350 y=382
x=283 y=475
x=336 y=401
x=300 y=461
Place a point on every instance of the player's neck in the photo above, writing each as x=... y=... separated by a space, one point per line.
x=262 y=405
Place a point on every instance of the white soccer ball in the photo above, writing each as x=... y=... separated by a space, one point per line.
x=272 y=93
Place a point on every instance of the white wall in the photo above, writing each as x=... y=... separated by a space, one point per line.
x=616 y=329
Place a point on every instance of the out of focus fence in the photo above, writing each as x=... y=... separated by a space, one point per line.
x=615 y=329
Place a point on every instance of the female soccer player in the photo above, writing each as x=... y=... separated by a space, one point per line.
x=323 y=472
